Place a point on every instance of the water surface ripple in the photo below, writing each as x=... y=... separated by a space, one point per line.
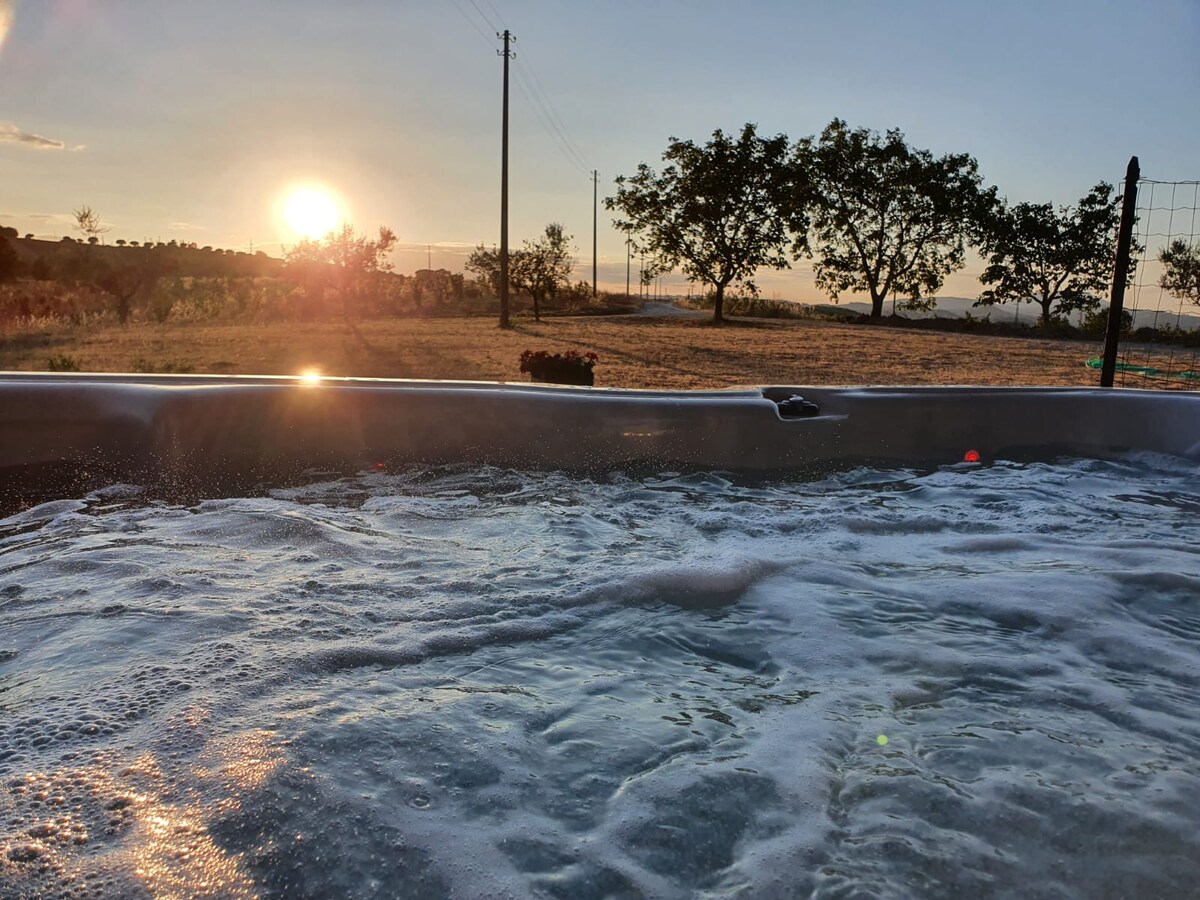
x=976 y=681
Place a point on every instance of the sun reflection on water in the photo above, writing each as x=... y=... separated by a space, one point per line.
x=120 y=826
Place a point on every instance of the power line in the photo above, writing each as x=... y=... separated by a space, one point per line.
x=542 y=109
x=527 y=65
x=495 y=12
x=462 y=12
x=491 y=24
x=548 y=124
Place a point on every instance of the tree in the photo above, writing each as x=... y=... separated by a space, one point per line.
x=484 y=263
x=87 y=223
x=887 y=218
x=343 y=261
x=123 y=282
x=10 y=263
x=1060 y=259
x=1181 y=270
x=543 y=266
x=717 y=210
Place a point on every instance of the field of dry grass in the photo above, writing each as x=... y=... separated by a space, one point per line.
x=634 y=351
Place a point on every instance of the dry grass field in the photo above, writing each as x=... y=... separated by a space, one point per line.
x=634 y=351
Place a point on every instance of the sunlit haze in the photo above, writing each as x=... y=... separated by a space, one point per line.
x=191 y=121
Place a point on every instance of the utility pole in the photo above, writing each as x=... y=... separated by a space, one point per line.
x=507 y=38
x=595 y=188
x=628 y=251
x=429 y=256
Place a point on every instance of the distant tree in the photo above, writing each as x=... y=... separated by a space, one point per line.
x=543 y=267
x=343 y=261
x=134 y=244
x=120 y=242
x=10 y=263
x=123 y=282
x=11 y=233
x=887 y=218
x=484 y=263
x=717 y=210
x=87 y=223
x=1181 y=270
x=29 y=237
x=1062 y=260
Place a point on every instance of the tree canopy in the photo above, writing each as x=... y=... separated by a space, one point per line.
x=484 y=263
x=543 y=266
x=1181 y=270
x=887 y=218
x=344 y=261
x=87 y=223
x=719 y=211
x=1061 y=260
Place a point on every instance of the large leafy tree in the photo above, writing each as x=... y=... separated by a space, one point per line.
x=1060 y=259
x=718 y=211
x=543 y=266
x=345 y=262
x=887 y=218
x=1181 y=270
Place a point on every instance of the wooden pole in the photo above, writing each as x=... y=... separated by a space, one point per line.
x=504 y=190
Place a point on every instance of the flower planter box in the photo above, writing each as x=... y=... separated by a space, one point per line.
x=571 y=367
x=586 y=378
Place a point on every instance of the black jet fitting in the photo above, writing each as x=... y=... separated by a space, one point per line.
x=796 y=407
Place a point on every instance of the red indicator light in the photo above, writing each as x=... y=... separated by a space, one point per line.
x=971 y=456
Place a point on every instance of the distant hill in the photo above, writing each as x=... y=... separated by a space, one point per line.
x=185 y=259
x=1024 y=313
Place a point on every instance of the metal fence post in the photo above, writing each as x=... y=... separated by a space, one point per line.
x=1116 y=305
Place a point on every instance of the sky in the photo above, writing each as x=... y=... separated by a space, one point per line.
x=193 y=120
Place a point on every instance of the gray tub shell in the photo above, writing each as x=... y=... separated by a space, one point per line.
x=164 y=427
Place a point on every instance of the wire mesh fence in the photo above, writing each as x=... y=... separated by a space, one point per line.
x=1161 y=348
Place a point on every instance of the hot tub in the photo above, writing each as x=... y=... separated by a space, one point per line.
x=378 y=639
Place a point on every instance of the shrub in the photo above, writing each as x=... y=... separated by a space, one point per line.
x=61 y=362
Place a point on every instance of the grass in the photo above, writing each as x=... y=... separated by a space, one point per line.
x=634 y=351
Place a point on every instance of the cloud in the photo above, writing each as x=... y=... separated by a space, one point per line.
x=185 y=226
x=11 y=134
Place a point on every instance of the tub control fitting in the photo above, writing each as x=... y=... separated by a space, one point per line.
x=796 y=407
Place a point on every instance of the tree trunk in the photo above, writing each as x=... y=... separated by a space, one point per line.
x=876 y=306
x=537 y=306
x=123 y=310
x=719 y=306
x=1046 y=312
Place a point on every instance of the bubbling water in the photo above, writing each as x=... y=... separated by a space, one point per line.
x=444 y=682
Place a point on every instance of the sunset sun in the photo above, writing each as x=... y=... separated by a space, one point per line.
x=311 y=212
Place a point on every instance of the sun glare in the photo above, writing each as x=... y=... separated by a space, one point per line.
x=311 y=212
x=310 y=377
x=6 y=19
